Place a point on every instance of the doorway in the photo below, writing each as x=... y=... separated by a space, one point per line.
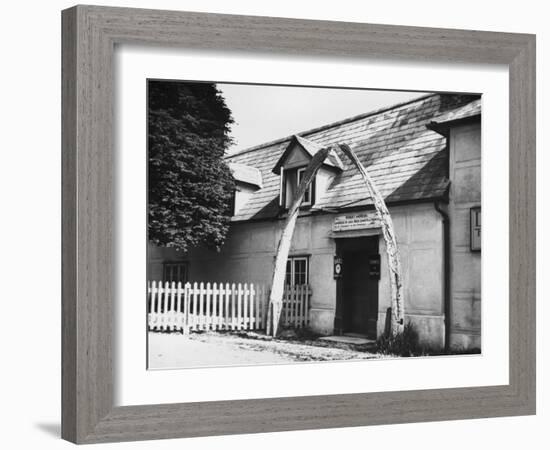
x=357 y=288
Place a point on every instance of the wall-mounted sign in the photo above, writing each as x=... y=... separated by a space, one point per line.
x=338 y=267
x=475 y=229
x=358 y=221
x=374 y=267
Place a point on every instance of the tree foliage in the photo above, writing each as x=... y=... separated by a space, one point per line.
x=190 y=186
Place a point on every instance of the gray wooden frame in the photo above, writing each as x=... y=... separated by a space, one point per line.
x=89 y=36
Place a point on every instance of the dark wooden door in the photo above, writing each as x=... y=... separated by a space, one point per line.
x=355 y=292
x=357 y=300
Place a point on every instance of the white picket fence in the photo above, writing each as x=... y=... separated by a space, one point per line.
x=224 y=306
x=295 y=311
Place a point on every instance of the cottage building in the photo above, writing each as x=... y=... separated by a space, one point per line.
x=425 y=158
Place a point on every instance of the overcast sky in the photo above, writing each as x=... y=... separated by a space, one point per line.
x=266 y=113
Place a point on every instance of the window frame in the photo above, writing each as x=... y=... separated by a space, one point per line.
x=309 y=190
x=170 y=264
x=295 y=172
x=292 y=260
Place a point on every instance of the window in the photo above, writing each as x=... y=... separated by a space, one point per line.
x=307 y=194
x=176 y=272
x=297 y=271
x=290 y=180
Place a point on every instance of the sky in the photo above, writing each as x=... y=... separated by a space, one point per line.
x=265 y=113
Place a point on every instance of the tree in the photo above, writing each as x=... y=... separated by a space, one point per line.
x=392 y=250
x=190 y=186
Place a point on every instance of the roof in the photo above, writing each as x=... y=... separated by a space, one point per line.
x=246 y=174
x=405 y=159
x=462 y=112
x=333 y=160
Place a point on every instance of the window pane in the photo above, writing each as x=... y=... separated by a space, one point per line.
x=296 y=271
x=307 y=197
x=300 y=274
x=176 y=272
x=290 y=186
x=288 y=276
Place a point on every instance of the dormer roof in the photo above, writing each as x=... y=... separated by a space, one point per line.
x=310 y=148
x=246 y=174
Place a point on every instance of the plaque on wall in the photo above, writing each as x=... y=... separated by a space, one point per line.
x=338 y=267
x=360 y=221
x=374 y=267
x=475 y=229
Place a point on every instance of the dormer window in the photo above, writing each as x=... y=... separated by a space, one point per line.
x=291 y=168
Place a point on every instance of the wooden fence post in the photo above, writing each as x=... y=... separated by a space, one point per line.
x=186 y=308
x=251 y=324
x=178 y=316
x=233 y=306
x=215 y=300
x=195 y=306
x=244 y=316
x=226 y=322
x=239 y=304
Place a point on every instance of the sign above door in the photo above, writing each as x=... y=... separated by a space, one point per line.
x=357 y=221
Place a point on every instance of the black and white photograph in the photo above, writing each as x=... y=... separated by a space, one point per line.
x=291 y=224
x=258 y=225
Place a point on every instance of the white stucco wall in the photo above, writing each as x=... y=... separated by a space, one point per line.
x=249 y=252
x=465 y=175
x=419 y=231
x=242 y=195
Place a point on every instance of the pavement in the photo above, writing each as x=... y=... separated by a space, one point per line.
x=215 y=349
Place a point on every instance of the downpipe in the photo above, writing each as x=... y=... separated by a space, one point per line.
x=446 y=273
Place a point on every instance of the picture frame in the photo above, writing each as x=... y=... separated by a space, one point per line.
x=90 y=34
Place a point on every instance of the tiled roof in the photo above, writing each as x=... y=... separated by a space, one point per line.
x=406 y=160
x=462 y=112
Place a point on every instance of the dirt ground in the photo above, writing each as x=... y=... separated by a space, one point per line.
x=173 y=350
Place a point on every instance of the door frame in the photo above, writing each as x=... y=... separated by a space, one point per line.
x=340 y=248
